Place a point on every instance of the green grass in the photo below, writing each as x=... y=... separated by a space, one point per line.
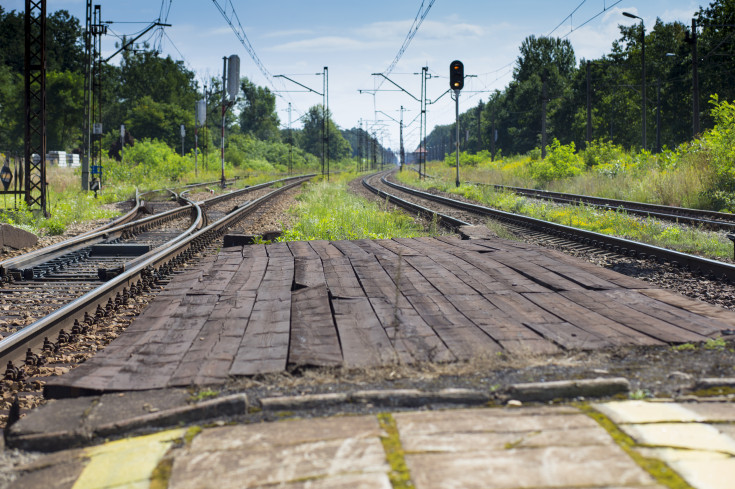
x=327 y=210
x=615 y=223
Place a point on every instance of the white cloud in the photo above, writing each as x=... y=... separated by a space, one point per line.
x=324 y=44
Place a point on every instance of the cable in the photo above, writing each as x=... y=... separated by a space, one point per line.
x=417 y=21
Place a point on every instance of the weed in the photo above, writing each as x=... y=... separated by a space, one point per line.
x=640 y=394
x=203 y=395
x=715 y=344
x=684 y=347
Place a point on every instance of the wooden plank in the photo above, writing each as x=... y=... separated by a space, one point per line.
x=301 y=249
x=671 y=314
x=587 y=329
x=314 y=338
x=440 y=277
x=508 y=331
x=480 y=271
x=620 y=312
x=209 y=359
x=325 y=249
x=264 y=345
x=364 y=341
x=470 y=274
x=463 y=338
x=400 y=321
x=705 y=309
x=396 y=247
x=350 y=249
x=542 y=276
x=308 y=272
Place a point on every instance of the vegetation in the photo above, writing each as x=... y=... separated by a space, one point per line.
x=615 y=89
x=326 y=210
x=696 y=174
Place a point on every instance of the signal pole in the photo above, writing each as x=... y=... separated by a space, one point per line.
x=456 y=83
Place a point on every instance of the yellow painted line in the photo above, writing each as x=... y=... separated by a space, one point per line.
x=126 y=463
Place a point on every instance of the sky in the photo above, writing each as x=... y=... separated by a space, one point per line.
x=298 y=38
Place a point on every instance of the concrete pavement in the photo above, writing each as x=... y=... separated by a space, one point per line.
x=615 y=444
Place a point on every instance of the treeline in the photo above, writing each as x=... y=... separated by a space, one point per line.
x=153 y=96
x=510 y=121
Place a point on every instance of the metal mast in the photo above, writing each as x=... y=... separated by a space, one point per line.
x=35 y=104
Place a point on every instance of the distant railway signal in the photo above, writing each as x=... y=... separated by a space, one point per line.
x=456 y=75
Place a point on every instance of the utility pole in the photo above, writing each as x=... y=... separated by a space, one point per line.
x=290 y=142
x=589 y=106
x=658 y=115
x=402 y=151
x=493 y=137
x=230 y=87
x=422 y=142
x=695 y=80
x=544 y=97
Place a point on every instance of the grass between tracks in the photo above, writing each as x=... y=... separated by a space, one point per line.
x=327 y=210
x=682 y=238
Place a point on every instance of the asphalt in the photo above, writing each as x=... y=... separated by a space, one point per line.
x=590 y=435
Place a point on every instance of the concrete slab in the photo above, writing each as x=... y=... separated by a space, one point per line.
x=467 y=442
x=595 y=466
x=500 y=420
x=264 y=436
x=707 y=474
x=646 y=412
x=692 y=436
x=16 y=238
x=713 y=411
x=126 y=463
x=289 y=452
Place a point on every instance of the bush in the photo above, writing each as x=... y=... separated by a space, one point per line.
x=560 y=162
x=600 y=152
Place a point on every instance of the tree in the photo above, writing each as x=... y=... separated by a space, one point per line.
x=311 y=136
x=258 y=116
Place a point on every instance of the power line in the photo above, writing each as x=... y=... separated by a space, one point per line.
x=417 y=21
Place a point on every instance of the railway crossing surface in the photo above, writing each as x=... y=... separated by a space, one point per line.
x=266 y=309
x=259 y=309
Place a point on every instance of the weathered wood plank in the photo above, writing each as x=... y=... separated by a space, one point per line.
x=588 y=329
x=264 y=345
x=508 y=331
x=364 y=341
x=621 y=312
x=704 y=309
x=314 y=338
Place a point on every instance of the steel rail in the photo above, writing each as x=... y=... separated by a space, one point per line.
x=684 y=215
x=706 y=218
x=19 y=263
x=448 y=221
x=698 y=264
x=160 y=264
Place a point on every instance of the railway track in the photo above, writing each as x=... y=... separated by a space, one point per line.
x=682 y=215
x=447 y=213
x=51 y=295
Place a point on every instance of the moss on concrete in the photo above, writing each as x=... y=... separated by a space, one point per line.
x=399 y=475
x=661 y=472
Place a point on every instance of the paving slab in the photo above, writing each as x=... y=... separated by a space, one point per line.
x=288 y=452
x=707 y=474
x=546 y=467
x=647 y=412
x=692 y=436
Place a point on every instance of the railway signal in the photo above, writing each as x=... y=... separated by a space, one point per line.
x=456 y=83
x=456 y=75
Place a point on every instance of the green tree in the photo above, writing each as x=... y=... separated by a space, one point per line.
x=258 y=116
x=311 y=135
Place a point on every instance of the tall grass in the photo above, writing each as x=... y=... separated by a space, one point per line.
x=327 y=210
x=611 y=222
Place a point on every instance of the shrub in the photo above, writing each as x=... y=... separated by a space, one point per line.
x=560 y=162
x=600 y=152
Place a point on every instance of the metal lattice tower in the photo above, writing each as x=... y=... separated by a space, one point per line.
x=35 y=105
x=87 y=131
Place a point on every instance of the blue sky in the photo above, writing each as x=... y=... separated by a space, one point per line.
x=355 y=39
